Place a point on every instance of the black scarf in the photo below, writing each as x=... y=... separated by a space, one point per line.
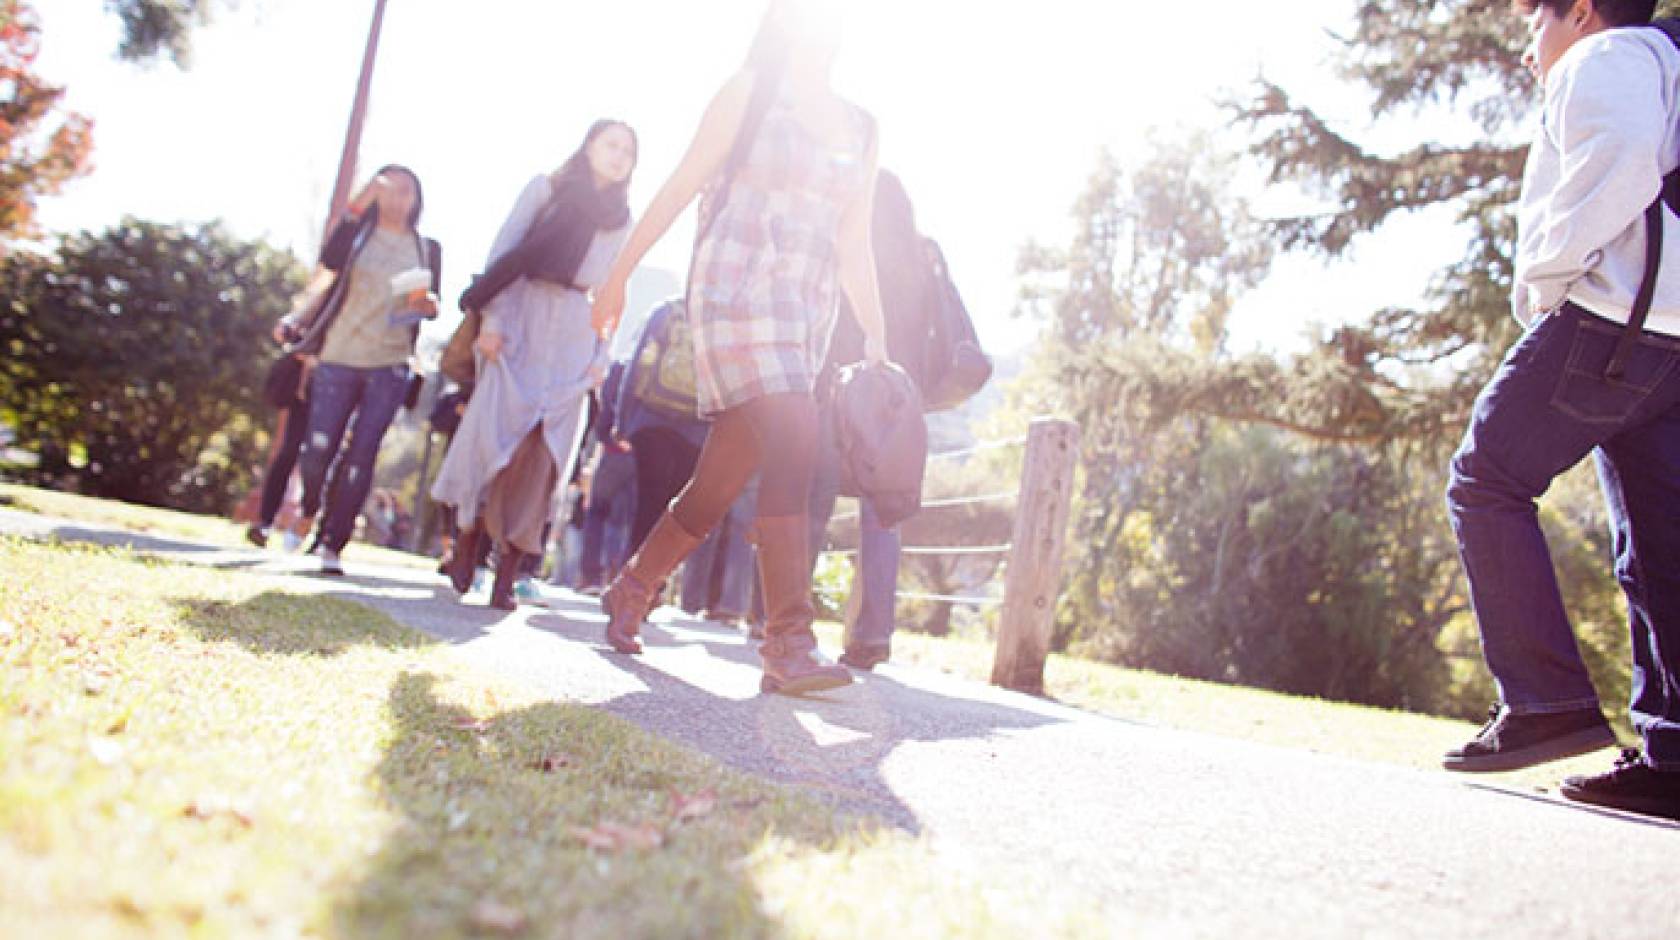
x=553 y=248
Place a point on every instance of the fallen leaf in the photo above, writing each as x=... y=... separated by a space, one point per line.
x=211 y=807
x=549 y=763
x=494 y=917
x=698 y=806
x=613 y=837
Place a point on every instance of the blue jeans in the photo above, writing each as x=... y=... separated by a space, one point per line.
x=606 y=526
x=335 y=394
x=879 y=551
x=1547 y=407
x=718 y=577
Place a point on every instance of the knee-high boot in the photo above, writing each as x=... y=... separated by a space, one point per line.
x=788 y=651
x=631 y=595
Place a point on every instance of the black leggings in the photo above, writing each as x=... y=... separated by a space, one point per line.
x=774 y=436
x=279 y=472
x=665 y=462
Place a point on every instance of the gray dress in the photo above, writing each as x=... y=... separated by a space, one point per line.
x=550 y=360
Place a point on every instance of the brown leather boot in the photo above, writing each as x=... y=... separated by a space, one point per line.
x=463 y=561
x=631 y=595
x=508 y=559
x=784 y=567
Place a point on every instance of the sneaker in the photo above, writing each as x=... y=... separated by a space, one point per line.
x=257 y=535
x=290 y=541
x=525 y=591
x=1631 y=785
x=1513 y=742
x=330 y=564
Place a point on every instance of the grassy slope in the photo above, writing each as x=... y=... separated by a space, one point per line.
x=1336 y=728
x=182 y=752
x=166 y=523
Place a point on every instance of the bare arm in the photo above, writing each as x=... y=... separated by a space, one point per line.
x=858 y=277
x=705 y=157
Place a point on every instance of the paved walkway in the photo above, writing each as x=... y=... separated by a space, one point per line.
x=1164 y=832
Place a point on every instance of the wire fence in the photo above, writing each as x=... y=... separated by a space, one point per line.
x=952 y=551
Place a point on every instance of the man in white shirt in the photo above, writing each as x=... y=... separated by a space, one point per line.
x=1610 y=132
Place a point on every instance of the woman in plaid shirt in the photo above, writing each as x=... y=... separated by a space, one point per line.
x=788 y=171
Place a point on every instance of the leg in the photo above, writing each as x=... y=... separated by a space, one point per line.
x=869 y=636
x=294 y=422
x=727 y=461
x=1640 y=471
x=1546 y=408
x=788 y=424
x=382 y=394
x=333 y=391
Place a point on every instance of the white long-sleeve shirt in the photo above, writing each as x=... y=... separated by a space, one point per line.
x=1609 y=131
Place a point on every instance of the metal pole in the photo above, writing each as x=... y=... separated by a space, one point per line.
x=358 y=117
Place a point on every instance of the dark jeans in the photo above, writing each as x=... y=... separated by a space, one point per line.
x=279 y=471
x=337 y=393
x=718 y=577
x=1546 y=409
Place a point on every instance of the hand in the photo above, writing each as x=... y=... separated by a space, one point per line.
x=491 y=344
x=423 y=302
x=366 y=197
x=875 y=350
x=285 y=329
x=608 y=308
x=622 y=446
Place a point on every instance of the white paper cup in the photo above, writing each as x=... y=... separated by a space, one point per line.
x=407 y=282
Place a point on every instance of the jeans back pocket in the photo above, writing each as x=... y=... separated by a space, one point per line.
x=1585 y=394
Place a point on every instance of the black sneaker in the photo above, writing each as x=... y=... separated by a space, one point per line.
x=1513 y=742
x=257 y=535
x=1631 y=785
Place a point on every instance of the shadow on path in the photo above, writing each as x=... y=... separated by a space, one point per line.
x=836 y=744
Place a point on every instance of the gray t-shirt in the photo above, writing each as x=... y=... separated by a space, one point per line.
x=364 y=335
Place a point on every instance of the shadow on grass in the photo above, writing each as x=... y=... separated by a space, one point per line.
x=295 y=624
x=488 y=830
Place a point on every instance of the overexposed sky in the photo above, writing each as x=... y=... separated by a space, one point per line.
x=992 y=111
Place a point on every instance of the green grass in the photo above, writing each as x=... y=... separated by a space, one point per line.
x=1335 y=728
x=166 y=523
x=185 y=753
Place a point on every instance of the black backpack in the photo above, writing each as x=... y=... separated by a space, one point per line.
x=1670 y=197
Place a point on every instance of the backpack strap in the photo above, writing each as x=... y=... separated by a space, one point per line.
x=1669 y=197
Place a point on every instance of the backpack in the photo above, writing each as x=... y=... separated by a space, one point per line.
x=664 y=376
x=1669 y=196
x=956 y=367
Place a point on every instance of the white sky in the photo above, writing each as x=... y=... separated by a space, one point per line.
x=993 y=112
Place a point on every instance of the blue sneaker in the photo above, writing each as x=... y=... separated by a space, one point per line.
x=525 y=591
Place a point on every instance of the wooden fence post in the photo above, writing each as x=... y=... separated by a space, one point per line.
x=1033 y=581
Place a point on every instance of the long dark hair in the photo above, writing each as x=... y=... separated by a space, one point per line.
x=419 y=194
x=576 y=169
x=769 y=51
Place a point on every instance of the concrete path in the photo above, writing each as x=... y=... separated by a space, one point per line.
x=1162 y=832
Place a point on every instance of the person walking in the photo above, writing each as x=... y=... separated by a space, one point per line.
x=1585 y=378
x=537 y=356
x=785 y=227
x=286 y=391
x=907 y=296
x=384 y=282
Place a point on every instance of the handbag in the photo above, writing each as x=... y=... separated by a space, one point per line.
x=457 y=362
x=957 y=367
